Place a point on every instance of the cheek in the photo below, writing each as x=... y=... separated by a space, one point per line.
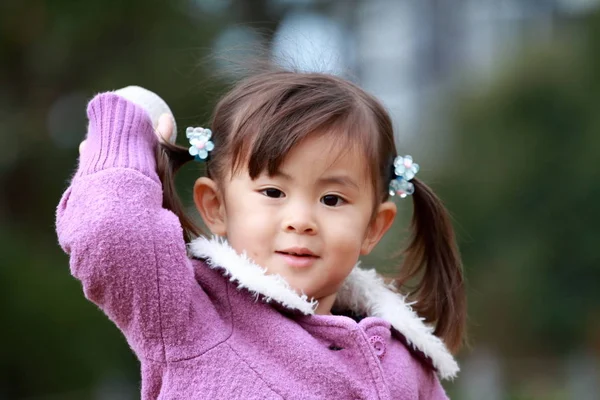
x=247 y=226
x=344 y=245
x=348 y=232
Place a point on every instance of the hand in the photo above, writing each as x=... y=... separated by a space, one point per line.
x=164 y=130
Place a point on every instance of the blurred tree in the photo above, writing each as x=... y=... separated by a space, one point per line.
x=524 y=181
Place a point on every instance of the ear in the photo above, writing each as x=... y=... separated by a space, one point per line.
x=209 y=204
x=381 y=222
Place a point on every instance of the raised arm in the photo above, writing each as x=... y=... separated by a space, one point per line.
x=127 y=251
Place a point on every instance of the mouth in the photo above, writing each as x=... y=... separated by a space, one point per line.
x=298 y=257
x=298 y=252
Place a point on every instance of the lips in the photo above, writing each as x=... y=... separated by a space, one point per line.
x=298 y=257
x=298 y=251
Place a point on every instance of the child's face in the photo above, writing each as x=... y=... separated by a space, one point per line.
x=310 y=222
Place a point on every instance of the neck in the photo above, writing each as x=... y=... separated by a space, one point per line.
x=325 y=304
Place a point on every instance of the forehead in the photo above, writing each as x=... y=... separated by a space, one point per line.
x=326 y=154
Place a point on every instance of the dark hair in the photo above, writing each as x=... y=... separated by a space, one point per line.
x=263 y=117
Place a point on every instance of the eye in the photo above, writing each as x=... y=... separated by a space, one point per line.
x=332 y=200
x=273 y=193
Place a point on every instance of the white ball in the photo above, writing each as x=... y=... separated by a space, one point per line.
x=154 y=105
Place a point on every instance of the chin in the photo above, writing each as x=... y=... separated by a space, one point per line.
x=302 y=289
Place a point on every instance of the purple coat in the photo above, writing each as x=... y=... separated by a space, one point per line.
x=208 y=323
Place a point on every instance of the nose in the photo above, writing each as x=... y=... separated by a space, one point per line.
x=300 y=220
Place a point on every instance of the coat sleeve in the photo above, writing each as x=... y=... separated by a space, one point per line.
x=430 y=386
x=127 y=251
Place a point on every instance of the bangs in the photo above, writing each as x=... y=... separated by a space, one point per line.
x=267 y=131
x=267 y=150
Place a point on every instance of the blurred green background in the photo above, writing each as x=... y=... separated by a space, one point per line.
x=499 y=101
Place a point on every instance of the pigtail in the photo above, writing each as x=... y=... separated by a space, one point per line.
x=433 y=256
x=169 y=158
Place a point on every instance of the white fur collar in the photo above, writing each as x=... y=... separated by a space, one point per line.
x=363 y=293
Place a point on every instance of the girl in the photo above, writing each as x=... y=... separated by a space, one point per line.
x=273 y=305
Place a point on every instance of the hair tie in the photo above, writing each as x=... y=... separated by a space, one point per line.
x=200 y=142
x=405 y=170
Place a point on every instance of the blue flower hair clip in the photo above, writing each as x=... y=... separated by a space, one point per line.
x=200 y=142
x=405 y=170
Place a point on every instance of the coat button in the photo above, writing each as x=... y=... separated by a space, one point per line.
x=378 y=345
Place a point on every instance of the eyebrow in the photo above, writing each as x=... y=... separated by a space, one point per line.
x=334 y=179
